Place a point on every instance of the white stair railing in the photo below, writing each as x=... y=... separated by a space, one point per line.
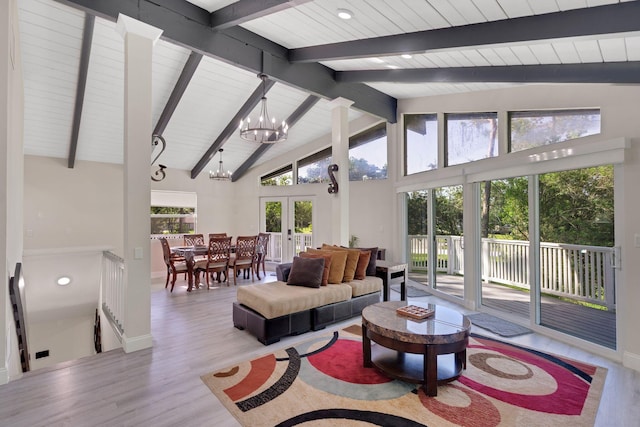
x=113 y=289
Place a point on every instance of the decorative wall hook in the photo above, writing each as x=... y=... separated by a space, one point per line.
x=333 y=186
x=155 y=140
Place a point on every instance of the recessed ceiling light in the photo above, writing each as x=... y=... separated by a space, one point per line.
x=345 y=14
x=406 y=56
x=63 y=281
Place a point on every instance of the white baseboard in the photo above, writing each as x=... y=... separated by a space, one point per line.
x=129 y=345
x=631 y=360
x=4 y=376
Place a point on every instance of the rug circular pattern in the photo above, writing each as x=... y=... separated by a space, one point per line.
x=322 y=382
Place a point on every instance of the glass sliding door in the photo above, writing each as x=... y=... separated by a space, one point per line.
x=418 y=242
x=577 y=247
x=447 y=256
x=504 y=232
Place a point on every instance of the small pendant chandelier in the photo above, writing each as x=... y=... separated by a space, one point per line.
x=264 y=129
x=220 y=174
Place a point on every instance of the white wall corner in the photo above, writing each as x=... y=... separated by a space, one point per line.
x=129 y=345
x=631 y=361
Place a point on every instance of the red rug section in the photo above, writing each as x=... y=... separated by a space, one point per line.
x=343 y=361
x=261 y=370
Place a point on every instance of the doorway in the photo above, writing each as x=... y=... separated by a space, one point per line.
x=289 y=221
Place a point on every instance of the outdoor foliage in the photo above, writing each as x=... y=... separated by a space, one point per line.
x=576 y=207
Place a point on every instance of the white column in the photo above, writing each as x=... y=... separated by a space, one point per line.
x=340 y=156
x=139 y=39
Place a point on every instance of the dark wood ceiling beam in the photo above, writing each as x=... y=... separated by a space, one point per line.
x=188 y=70
x=607 y=72
x=302 y=109
x=85 y=55
x=232 y=126
x=242 y=49
x=613 y=18
x=247 y=10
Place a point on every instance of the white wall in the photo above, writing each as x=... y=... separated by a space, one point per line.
x=66 y=339
x=11 y=137
x=620 y=110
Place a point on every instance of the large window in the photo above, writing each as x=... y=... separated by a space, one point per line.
x=313 y=168
x=282 y=176
x=173 y=212
x=421 y=142
x=530 y=129
x=368 y=154
x=471 y=136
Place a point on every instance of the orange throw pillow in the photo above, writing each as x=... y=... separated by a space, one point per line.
x=327 y=264
x=338 y=261
x=363 y=262
x=352 y=260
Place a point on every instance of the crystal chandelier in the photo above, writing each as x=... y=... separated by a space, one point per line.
x=264 y=130
x=220 y=174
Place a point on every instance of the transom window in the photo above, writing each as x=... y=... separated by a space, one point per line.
x=368 y=154
x=529 y=129
x=173 y=212
x=313 y=169
x=421 y=142
x=471 y=136
x=282 y=176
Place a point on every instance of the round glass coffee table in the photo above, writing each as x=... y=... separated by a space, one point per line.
x=430 y=351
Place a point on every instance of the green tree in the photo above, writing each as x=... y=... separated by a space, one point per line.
x=273 y=217
x=303 y=210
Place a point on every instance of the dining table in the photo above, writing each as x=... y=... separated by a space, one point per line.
x=190 y=253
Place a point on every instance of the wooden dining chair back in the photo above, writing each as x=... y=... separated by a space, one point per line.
x=262 y=244
x=214 y=235
x=175 y=263
x=194 y=240
x=243 y=256
x=217 y=261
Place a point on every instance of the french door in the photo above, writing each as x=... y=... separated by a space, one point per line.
x=289 y=220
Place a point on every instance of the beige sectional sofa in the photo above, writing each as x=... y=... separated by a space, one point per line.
x=273 y=310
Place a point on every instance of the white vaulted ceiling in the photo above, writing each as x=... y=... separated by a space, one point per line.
x=51 y=34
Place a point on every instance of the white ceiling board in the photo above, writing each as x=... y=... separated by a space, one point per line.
x=102 y=125
x=589 y=51
x=633 y=48
x=416 y=90
x=517 y=8
x=566 y=52
x=50 y=59
x=613 y=50
x=490 y=9
x=168 y=62
x=212 y=5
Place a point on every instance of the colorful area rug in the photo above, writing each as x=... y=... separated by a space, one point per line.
x=321 y=382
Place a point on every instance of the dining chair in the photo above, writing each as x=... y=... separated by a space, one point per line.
x=175 y=263
x=217 y=260
x=262 y=244
x=243 y=257
x=193 y=240
x=212 y=235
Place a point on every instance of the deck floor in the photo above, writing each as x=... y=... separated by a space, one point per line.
x=597 y=326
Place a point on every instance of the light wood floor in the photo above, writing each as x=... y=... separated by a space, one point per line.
x=193 y=334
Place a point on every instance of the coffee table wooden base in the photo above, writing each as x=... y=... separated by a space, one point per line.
x=427 y=364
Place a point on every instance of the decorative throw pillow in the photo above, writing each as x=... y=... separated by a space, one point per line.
x=327 y=264
x=306 y=272
x=338 y=261
x=363 y=262
x=352 y=260
x=371 y=267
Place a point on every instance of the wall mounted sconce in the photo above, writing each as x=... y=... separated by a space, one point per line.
x=155 y=140
x=333 y=186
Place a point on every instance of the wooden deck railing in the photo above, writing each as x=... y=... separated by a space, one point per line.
x=579 y=272
x=301 y=241
x=113 y=292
